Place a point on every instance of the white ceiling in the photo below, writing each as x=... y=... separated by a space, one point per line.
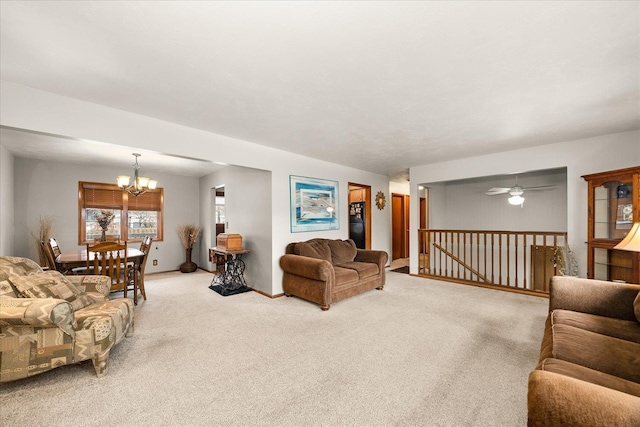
x=379 y=86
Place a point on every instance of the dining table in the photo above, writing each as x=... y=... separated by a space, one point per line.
x=75 y=259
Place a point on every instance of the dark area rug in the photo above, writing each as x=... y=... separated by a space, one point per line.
x=404 y=269
x=226 y=292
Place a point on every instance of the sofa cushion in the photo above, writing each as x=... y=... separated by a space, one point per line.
x=345 y=276
x=17 y=266
x=8 y=290
x=595 y=351
x=314 y=249
x=50 y=284
x=342 y=251
x=364 y=269
x=589 y=375
x=624 y=329
x=636 y=307
x=102 y=325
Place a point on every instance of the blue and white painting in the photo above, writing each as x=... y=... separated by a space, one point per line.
x=314 y=204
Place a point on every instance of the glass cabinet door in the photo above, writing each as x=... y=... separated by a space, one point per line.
x=612 y=210
x=613 y=265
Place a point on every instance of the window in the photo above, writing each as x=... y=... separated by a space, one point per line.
x=220 y=210
x=134 y=217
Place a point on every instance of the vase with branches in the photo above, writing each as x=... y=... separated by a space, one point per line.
x=104 y=219
x=189 y=234
x=42 y=234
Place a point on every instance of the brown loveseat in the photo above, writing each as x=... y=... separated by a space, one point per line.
x=326 y=271
x=49 y=320
x=589 y=368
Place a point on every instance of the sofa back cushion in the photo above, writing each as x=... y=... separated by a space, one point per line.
x=315 y=248
x=51 y=284
x=342 y=251
x=15 y=266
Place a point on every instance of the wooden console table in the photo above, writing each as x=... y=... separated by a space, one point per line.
x=231 y=280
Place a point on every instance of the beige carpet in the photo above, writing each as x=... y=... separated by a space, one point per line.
x=418 y=353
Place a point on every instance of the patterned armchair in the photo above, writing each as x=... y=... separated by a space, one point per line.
x=49 y=320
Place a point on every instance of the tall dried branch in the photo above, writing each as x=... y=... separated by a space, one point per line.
x=189 y=234
x=42 y=234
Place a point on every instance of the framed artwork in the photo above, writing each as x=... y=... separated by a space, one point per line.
x=314 y=204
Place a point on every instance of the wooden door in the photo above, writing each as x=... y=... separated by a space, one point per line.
x=400 y=226
x=542 y=266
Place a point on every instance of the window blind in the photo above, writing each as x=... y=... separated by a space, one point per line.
x=102 y=198
x=146 y=202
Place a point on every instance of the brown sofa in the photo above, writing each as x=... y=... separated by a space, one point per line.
x=589 y=368
x=326 y=271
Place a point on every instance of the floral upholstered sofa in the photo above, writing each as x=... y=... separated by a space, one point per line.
x=49 y=320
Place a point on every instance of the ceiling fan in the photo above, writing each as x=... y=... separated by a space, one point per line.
x=516 y=192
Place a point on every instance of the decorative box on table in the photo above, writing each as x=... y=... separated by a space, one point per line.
x=229 y=242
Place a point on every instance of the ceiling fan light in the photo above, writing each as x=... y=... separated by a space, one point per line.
x=516 y=200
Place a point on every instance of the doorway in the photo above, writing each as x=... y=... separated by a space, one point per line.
x=400 y=225
x=360 y=215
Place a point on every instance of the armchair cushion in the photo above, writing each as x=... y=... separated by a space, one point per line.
x=342 y=251
x=50 y=284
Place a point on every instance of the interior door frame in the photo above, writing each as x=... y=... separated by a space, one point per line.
x=367 y=210
x=402 y=222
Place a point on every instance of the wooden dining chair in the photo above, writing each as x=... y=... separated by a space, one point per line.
x=51 y=262
x=136 y=274
x=110 y=259
x=52 y=250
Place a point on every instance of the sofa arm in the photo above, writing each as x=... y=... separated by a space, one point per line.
x=42 y=312
x=98 y=287
x=597 y=297
x=377 y=257
x=311 y=268
x=558 y=400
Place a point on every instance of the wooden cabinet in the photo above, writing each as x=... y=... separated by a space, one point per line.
x=614 y=204
x=357 y=195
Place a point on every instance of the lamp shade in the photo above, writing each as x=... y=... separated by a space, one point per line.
x=632 y=241
x=123 y=181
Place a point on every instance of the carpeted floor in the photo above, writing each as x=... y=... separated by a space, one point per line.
x=418 y=353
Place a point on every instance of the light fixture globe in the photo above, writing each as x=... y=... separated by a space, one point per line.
x=516 y=200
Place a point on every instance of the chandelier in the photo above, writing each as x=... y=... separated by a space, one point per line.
x=140 y=185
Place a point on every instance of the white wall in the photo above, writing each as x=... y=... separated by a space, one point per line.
x=580 y=157
x=399 y=188
x=542 y=210
x=6 y=202
x=49 y=188
x=32 y=109
x=248 y=213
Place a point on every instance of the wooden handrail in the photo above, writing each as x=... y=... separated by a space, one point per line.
x=462 y=263
x=519 y=260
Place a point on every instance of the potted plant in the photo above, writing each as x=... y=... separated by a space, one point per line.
x=189 y=234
